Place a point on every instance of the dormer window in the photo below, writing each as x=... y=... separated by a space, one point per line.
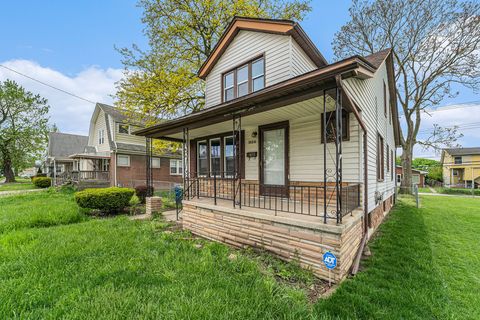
x=123 y=128
x=244 y=79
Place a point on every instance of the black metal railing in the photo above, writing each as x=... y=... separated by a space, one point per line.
x=90 y=175
x=305 y=199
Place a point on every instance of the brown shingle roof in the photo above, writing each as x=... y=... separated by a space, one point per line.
x=377 y=58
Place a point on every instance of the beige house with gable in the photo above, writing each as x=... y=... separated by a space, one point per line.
x=291 y=154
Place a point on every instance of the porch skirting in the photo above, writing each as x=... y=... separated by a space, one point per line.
x=289 y=237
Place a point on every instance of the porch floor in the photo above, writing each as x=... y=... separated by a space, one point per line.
x=304 y=220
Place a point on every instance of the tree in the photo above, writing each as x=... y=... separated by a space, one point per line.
x=161 y=82
x=435 y=44
x=23 y=127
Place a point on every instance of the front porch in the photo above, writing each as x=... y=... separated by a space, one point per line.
x=286 y=177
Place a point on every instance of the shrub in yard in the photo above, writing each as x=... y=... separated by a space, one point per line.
x=42 y=182
x=142 y=192
x=38 y=175
x=107 y=200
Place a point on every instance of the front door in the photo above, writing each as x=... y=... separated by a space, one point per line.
x=274 y=159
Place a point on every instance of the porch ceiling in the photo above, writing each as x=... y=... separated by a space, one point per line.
x=310 y=107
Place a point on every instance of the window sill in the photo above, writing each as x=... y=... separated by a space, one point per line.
x=380 y=180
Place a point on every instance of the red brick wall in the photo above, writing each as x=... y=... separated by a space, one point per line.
x=136 y=173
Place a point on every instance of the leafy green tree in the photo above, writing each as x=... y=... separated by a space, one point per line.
x=424 y=164
x=23 y=127
x=435 y=45
x=161 y=81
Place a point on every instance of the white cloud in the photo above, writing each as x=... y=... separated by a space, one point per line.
x=465 y=115
x=71 y=115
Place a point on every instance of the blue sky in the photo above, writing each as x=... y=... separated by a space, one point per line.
x=71 y=45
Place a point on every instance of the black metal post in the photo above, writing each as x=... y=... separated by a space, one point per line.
x=148 y=165
x=234 y=187
x=240 y=159
x=324 y=157
x=338 y=152
x=215 y=188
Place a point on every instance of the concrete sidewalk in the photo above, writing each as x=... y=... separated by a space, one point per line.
x=14 y=192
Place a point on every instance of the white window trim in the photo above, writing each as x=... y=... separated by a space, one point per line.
x=124 y=124
x=225 y=156
x=198 y=157
x=260 y=75
x=225 y=88
x=101 y=136
x=159 y=163
x=219 y=157
x=178 y=165
x=127 y=157
x=245 y=81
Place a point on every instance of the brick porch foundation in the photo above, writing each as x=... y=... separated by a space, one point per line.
x=290 y=238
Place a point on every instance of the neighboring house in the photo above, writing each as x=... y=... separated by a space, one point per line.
x=461 y=167
x=112 y=155
x=418 y=176
x=291 y=154
x=60 y=147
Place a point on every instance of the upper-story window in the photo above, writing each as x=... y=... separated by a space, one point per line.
x=101 y=136
x=244 y=79
x=458 y=160
x=123 y=128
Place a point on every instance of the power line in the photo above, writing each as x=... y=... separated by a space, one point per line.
x=46 y=84
x=463 y=105
x=464 y=126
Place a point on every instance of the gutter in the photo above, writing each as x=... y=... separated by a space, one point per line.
x=358 y=255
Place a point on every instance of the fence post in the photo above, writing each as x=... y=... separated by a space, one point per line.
x=417 y=200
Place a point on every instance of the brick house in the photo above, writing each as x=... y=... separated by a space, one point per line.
x=113 y=156
x=418 y=176
x=291 y=154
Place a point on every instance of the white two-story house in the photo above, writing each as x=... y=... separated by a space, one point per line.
x=113 y=156
x=291 y=154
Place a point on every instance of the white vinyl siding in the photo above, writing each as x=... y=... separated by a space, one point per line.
x=368 y=95
x=99 y=127
x=283 y=60
x=306 y=151
x=301 y=63
x=128 y=138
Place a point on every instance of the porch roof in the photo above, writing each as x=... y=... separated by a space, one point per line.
x=90 y=156
x=302 y=87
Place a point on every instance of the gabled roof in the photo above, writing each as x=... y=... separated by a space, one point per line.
x=61 y=145
x=282 y=27
x=463 y=151
x=260 y=100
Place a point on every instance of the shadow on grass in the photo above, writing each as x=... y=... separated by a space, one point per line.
x=399 y=280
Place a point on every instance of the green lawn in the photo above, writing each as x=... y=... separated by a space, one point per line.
x=20 y=184
x=423 y=266
x=38 y=209
x=424 y=190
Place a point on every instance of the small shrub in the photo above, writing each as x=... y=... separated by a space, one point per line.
x=107 y=200
x=142 y=192
x=42 y=182
x=38 y=175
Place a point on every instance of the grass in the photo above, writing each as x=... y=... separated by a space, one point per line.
x=424 y=190
x=20 y=184
x=460 y=191
x=423 y=266
x=38 y=209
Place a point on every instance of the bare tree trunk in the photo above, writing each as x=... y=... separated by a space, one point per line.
x=407 y=154
x=7 y=168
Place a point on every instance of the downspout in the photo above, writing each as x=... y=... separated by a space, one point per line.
x=358 y=255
